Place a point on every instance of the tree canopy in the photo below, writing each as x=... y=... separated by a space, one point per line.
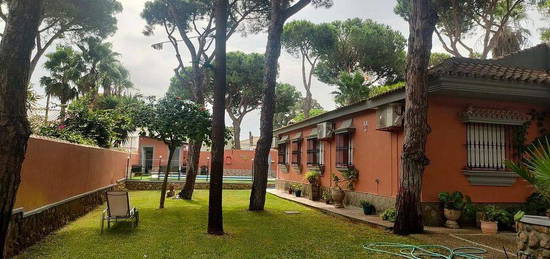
x=496 y=22
x=288 y=105
x=72 y=20
x=364 y=46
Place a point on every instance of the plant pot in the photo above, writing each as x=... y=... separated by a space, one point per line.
x=489 y=227
x=314 y=192
x=289 y=191
x=369 y=210
x=338 y=197
x=452 y=216
x=298 y=193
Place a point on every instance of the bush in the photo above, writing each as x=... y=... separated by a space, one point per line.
x=536 y=205
x=389 y=215
x=454 y=201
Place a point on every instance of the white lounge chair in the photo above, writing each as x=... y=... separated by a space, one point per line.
x=118 y=208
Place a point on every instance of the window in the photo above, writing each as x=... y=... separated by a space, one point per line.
x=344 y=150
x=282 y=154
x=489 y=145
x=296 y=151
x=313 y=152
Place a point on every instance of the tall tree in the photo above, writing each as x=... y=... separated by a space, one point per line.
x=544 y=8
x=422 y=23
x=281 y=10
x=15 y=52
x=174 y=121
x=286 y=98
x=491 y=20
x=65 y=67
x=374 y=49
x=101 y=62
x=244 y=88
x=182 y=17
x=308 y=41
x=72 y=20
x=215 y=217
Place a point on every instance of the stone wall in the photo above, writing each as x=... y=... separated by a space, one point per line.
x=156 y=185
x=27 y=228
x=533 y=237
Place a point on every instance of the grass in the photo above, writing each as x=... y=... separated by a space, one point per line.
x=179 y=231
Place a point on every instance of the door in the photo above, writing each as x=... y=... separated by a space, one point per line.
x=147 y=159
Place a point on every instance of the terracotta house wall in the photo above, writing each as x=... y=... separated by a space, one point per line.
x=54 y=171
x=447 y=153
x=233 y=159
x=376 y=156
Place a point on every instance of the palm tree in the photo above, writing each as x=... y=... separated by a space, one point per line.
x=65 y=68
x=99 y=59
x=351 y=89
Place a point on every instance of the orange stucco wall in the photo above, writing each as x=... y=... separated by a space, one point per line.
x=446 y=151
x=233 y=159
x=53 y=171
x=375 y=155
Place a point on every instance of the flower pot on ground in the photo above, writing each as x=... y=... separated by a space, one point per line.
x=489 y=227
x=338 y=196
x=290 y=190
x=297 y=188
x=298 y=193
x=368 y=209
x=453 y=204
x=313 y=177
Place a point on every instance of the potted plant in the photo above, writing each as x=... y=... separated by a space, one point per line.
x=453 y=204
x=491 y=217
x=350 y=175
x=314 y=178
x=326 y=197
x=290 y=191
x=337 y=193
x=297 y=188
x=368 y=209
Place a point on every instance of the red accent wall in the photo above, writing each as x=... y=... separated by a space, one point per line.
x=54 y=171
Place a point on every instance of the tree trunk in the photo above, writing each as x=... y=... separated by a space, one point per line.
x=192 y=169
x=261 y=157
x=171 y=149
x=408 y=205
x=15 y=53
x=62 y=110
x=237 y=133
x=215 y=215
x=47 y=109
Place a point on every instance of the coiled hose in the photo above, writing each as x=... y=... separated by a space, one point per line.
x=425 y=251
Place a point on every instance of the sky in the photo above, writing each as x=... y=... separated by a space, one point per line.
x=151 y=70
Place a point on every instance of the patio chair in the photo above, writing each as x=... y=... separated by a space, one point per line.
x=118 y=208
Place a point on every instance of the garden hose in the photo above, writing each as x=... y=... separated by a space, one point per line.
x=425 y=251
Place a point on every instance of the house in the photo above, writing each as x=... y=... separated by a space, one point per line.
x=480 y=111
x=150 y=154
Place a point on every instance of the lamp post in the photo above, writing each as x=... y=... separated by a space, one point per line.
x=128 y=165
x=160 y=162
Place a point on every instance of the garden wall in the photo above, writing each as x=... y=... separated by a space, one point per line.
x=60 y=182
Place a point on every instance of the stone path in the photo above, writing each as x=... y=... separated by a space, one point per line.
x=494 y=244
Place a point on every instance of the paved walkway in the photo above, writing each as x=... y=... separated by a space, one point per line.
x=494 y=244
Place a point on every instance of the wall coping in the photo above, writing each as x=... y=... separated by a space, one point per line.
x=33 y=136
x=536 y=220
x=55 y=204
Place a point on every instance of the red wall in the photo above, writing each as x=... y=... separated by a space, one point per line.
x=53 y=171
x=447 y=153
x=377 y=154
x=233 y=159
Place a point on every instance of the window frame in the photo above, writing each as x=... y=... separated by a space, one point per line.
x=313 y=158
x=489 y=145
x=296 y=152
x=344 y=149
x=282 y=152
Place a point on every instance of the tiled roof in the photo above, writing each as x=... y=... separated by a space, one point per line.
x=488 y=69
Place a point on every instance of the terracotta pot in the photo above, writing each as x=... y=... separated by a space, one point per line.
x=452 y=216
x=338 y=197
x=489 y=227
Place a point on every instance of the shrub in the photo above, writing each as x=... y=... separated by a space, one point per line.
x=492 y=213
x=454 y=201
x=389 y=215
x=312 y=176
x=536 y=205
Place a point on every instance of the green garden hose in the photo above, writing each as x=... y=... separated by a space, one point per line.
x=425 y=251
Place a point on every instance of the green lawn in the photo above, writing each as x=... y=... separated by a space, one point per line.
x=178 y=231
x=198 y=180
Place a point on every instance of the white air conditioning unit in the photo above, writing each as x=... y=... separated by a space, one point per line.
x=325 y=130
x=390 y=117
